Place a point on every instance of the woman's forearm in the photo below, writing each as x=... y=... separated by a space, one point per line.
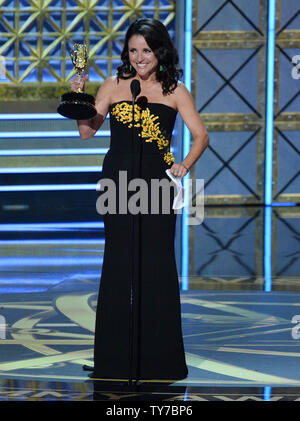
x=87 y=128
x=197 y=149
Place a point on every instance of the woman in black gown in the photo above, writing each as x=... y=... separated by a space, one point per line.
x=138 y=331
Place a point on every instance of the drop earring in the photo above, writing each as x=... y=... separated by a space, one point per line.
x=161 y=68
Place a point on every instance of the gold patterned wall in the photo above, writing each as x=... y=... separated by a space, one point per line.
x=36 y=35
x=286 y=150
x=229 y=76
x=229 y=85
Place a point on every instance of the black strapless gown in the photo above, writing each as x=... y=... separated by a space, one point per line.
x=138 y=331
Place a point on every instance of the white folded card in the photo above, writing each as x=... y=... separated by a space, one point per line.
x=178 y=202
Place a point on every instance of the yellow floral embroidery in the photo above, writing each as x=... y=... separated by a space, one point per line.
x=169 y=158
x=150 y=126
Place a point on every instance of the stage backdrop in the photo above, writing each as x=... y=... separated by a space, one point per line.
x=47 y=173
x=229 y=84
x=230 y=65
x=229 y=69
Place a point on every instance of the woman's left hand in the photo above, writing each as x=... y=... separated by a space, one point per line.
x=179 y=170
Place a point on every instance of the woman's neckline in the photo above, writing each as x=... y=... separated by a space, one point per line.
x=148 y=103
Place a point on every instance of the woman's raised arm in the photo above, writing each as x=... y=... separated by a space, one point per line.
x=88 y=128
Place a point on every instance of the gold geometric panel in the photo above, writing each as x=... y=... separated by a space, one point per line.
x=229 y=83
x=286 y=151
x=36 y=36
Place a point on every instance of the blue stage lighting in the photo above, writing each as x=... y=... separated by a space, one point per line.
x=186 y=143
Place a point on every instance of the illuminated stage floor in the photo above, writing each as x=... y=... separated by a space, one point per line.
x=232 y=339
x=241 y=342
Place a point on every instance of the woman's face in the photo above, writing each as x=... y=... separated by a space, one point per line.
x=141 y=57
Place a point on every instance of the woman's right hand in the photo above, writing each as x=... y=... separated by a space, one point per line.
x=78 y=83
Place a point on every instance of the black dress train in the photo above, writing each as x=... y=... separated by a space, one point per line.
x=138 y=331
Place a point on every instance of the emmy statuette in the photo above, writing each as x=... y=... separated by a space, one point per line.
x=78 y=105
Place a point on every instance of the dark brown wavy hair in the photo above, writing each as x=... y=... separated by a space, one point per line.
x=158 y=39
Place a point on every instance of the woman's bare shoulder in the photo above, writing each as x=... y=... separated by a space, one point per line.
x=108 y=87
x=184 y=101
x=181 y=89
x=180 y=95
x=115 y=84
x=110 y=82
